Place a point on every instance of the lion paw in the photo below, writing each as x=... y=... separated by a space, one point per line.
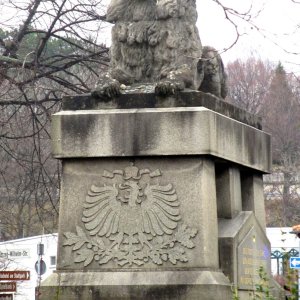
x=107 y=89
x=168 y=87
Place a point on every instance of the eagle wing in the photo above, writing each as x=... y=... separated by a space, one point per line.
x=160 y=210
x=101 y=210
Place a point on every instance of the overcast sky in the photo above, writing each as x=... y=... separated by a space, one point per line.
x=278 y=21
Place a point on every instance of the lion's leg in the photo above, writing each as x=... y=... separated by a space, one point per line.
x=175 y=81
x=107 y=87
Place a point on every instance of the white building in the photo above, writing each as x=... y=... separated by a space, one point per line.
x=283 y=241
x=21 y=255
x=282 y=238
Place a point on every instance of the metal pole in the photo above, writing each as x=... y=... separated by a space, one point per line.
x=40 y=252
x=299 y=276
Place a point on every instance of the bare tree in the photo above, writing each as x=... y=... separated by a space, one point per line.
x=274 y=94
x=245 y=17
x=249 y=82
x=281 y=117
x=54 y=52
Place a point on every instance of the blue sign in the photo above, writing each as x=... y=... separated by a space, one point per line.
x=295 y=262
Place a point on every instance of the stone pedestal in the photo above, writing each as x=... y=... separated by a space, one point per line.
x=145 y=184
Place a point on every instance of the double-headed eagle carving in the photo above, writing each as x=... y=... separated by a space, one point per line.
x=129 y=211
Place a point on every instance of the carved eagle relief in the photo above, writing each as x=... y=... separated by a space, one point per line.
x=133 y=220
x=153 y=210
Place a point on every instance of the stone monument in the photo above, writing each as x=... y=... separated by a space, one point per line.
x=161 y=194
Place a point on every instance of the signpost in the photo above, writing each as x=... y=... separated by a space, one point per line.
x=40 y=267
x=8 y=287
x=13 y=253
x=14 y=275
x=295 y=262
x=6 y=297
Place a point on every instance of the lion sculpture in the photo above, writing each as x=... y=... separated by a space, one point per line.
x=153 y=41
x=213 y=73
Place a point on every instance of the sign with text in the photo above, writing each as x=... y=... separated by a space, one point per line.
x=14 y=253
x=8 y=287
x=14 y=275
x=253 y=253
x=6 y=296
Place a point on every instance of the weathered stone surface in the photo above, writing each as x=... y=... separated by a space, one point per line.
x=275 y=290
x=140 y=193
x=142 y=96
x=85 y=241
x=153 y=41
x=167 y=285
x=195 y=277
x=155 y=132
x=252 y=252
x=228 y=185
x=253 y=196
x=214 y=78
x=243 y=248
